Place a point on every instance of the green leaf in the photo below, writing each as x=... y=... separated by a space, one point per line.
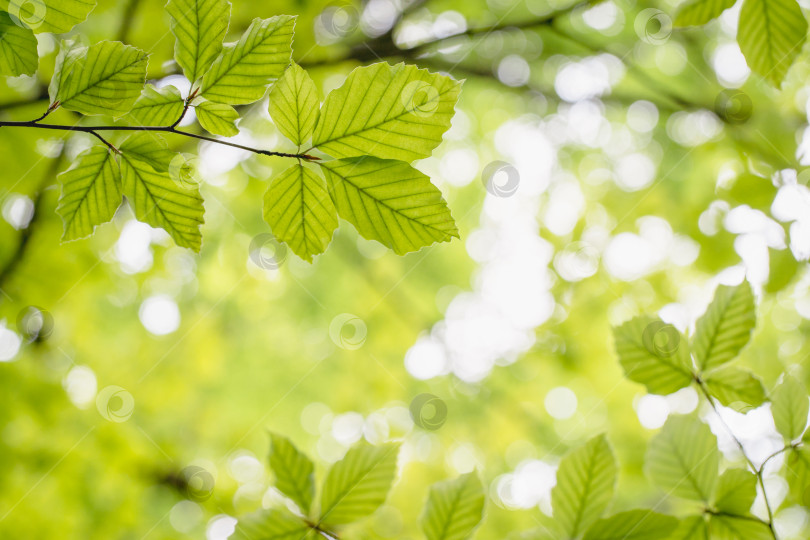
x=55 y=16
x=698 y=12
x=294 y=104
x=150 y=148
x=359 y=483
x=683 y=459
x=725 y=328
x=389 y=201
x=454 y=508
x=18 y=48
x=105 y=78
x=91 y=192
x=797 y=474
x=633 y=525
x=272 y=525
x=734 y=528
x=771 y=34
x=199 y=26
x=157 y=106
x=692 y=528
x=393 y=112
x=240 y=74
x=789 y=407
x=654 y=354
x=163 y=201
x=216 y=118
x=736 y=388
x=299 y=211
x=736 y=491
x=293 y=470
x=586 y=479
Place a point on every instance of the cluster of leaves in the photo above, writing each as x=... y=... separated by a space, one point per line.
x=770 y=33
x=383 y=118
x=353 y=489
x=683 y=459
x=586 y=481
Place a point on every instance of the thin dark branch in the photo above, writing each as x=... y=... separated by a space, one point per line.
x=93 y=130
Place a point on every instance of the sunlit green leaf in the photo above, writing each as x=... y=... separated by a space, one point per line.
x=789 y=406
x=163 y=201
x=199 y=26
x=217 y=118
x=299 y=211
x=105 y=78
x=389 y=201
x=393 y=112
x=272 y=525
x=654 y=354
x=454 y=508
x=586 y=479
x=726 y=326
x=797 y=474
x=633 y=525
x=18 y=48
x=683 y=459
x=56 y=16
x=240 y=74
x=692 y=528
x=735 y=528
x=358 y=484
x=771 y=34
x=157 y=106
x=294 y=104
x=736 y=388
x=149 y=147
x=697 y=12
x=91 y=192
x=736 y=491
x=293 y=470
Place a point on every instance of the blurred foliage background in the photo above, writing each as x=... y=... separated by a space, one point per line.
x=637 y=168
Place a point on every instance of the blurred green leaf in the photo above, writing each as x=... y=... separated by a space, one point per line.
x=735 y=528
x=789 y=406
x=294 y=472
x=272 y=525
x=586 y=479
x=654 y=354
x=726 y=327
x=633 y=525
x=692 y=528
x=454 y=508
x=771 y=34
x=736 y=491
x=683 y=459
x=18 y=48
x=736 y=388
x=56 y=16
x=698 y=12
x=359 y=483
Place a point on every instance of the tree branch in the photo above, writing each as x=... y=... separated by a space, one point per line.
x=93 y=130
